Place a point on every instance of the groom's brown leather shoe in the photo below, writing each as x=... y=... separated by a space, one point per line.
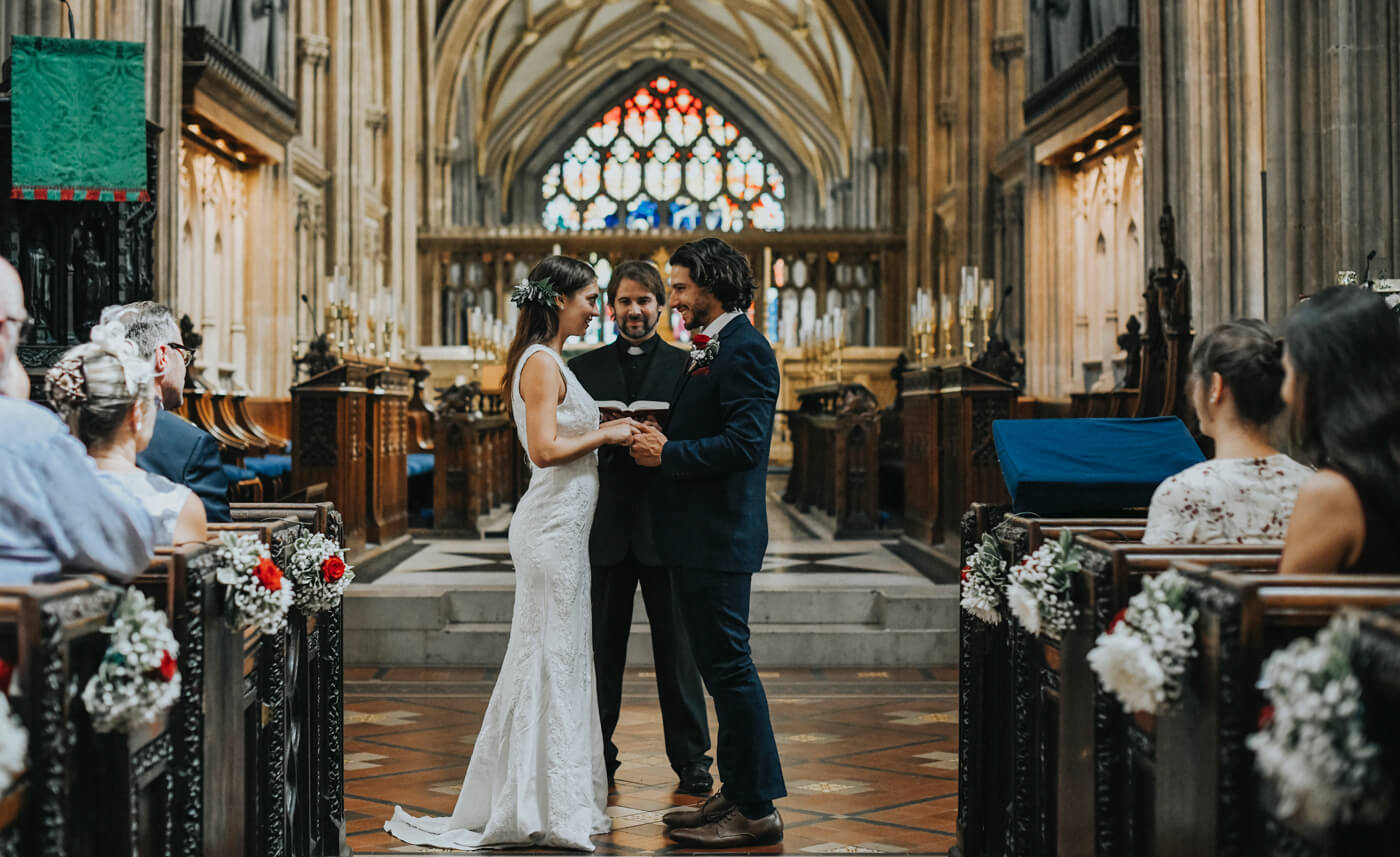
x=732 y=830
x=711 y=810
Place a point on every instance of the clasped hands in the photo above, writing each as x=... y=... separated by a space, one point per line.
x=643 y=437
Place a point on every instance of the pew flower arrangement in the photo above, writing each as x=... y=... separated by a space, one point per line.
x=318 y=572
x=1311 y=745
x=1143 y=656
x=984 y=582
x=256 y=591
x=1039 y=592
x=14 y=744
x=138 y=679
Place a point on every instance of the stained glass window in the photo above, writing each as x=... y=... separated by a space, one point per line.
x=664 y=157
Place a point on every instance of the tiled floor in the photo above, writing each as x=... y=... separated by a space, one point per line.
x=870 y=757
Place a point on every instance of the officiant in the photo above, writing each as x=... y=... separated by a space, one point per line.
x=639 y=365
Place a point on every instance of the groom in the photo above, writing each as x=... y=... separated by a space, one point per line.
x=714 y=455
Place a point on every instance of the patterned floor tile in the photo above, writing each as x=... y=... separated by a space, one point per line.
x=861 y=767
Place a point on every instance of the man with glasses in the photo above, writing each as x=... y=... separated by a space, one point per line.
x=179 y=450
x=54 y=511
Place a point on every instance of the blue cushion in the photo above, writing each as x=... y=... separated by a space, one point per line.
x=420 y=463
x=270 y=466
x=235 y=473
x=1090 y=466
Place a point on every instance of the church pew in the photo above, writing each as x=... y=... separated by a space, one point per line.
x=1072 y=731
x=1375 y=660
x=85 y=792
x=1206 y=794
x=985 y=676
x=201 y=412
x=240 y=413
x=983 y=659
x=315 y=680
x=266 y=690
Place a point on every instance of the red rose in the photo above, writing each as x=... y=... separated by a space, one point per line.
x=1117 y=617
x=965 y=570
x=167 y=666
x=699 y=340
x=703 y=370
x=333 y=569
x=7 y=672
x=1266 y=717
x=269 y=574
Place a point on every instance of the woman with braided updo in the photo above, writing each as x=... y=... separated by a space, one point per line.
x=105 y=393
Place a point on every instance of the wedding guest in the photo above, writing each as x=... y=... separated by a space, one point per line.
x=1245 y=494
x=55 y=513
x=105 y=392
x=180 y=451
x=622 y=547
x=1342 y=386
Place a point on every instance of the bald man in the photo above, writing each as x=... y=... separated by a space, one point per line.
x=55 y=514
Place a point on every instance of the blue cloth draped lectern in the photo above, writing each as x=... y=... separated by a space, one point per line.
x=1090 y=466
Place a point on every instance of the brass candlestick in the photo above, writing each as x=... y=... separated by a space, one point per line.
x=386 y=333
x=403 y=343
x=948 y=336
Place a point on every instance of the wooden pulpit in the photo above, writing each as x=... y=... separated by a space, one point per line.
x=950 y=460
x=386 y=485
x=328 y=441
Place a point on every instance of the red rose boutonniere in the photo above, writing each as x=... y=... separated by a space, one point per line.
x=168 y=667
x=703 y=351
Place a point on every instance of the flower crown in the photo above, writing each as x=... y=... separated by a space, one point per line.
x=533 y=291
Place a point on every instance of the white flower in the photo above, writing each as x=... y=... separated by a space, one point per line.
x=984 y=582
x=1126 y=665
x=1314 y=750
x=14 y=745
x=138 y=679
x=313 y=590
x=254 y=595
x=1023 y=607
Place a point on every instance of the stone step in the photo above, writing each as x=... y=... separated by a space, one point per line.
x=483 y=644
x=418 y=607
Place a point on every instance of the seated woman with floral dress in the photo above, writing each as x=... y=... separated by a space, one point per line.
x=1342 y=385
x=1245 y=494
x=106 y=393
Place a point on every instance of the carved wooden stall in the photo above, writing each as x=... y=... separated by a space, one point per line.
x=949 y=457
x=74 y=258
x=328 y=441
x=386 y=442
x=480 y=464
x=835 y=456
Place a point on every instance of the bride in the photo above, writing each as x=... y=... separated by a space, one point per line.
x=536 y=774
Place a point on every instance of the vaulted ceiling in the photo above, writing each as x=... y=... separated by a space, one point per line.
x=814 y=70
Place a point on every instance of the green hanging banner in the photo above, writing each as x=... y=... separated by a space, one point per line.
x=78 y=119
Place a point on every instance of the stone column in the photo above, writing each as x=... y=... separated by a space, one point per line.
x=1334 y=158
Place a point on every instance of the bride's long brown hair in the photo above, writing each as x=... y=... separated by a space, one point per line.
x=539 y=323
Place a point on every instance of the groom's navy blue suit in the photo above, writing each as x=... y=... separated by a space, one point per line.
x=712 y=528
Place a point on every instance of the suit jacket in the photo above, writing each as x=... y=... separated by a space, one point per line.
x=715 y=461
x=625 y=488
x=187 y=455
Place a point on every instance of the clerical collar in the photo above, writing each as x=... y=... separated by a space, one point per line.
x=646 y=346
x=713 y=328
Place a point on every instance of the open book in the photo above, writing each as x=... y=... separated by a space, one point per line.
x=613 y=410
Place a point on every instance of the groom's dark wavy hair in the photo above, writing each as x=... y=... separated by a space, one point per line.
x=720 y=270
x=538 y=323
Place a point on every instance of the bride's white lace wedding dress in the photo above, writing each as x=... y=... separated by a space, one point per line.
x=536 y=775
